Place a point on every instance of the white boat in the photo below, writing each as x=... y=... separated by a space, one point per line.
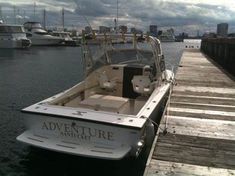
x=167 y=36
x=13 y=36
x=111 y=113
x=192 y=43
x=39 y=36
x=67 y=40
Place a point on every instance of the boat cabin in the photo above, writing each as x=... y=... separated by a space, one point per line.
x=11 y=29
x=32 y=25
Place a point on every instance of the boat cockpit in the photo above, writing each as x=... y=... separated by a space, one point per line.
x=119 y=78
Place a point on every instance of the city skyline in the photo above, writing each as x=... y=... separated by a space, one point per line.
x=182 y=15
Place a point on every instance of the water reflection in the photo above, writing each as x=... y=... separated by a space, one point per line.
x=40 y=162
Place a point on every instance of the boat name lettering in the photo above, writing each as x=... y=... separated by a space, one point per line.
x=81 y=132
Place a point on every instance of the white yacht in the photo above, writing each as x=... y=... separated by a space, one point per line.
x=112 y=112
x=67 y=40
x=13 y=36
x=39 y=36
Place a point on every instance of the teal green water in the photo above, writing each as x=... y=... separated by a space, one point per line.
x=28 y=76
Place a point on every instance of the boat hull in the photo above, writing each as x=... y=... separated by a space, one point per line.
x=93 y=134
x=46 y=41
x=15 y=43
x=77 y=137
x=88 y=138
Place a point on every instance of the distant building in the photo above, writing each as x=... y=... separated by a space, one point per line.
x=123 y=29
x=222 y=29
x=136 y=31
x=171 y=30
x=167 y=36
x=153 y=30
x=133 y=30
x=231 y=35
x=209 y=35
x=183 y=35
x=104 y=29
x=88 y=30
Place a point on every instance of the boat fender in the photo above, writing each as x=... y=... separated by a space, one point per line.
x=150 y=134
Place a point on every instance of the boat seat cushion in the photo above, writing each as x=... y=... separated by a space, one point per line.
x=142 y=84
x=105 y=82
x=104 y=103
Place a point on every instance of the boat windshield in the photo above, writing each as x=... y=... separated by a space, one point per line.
x=11 y=29
x=41 y=32
x=62 y=34
x=32 y=25
x=37 y=26
x=121 y=50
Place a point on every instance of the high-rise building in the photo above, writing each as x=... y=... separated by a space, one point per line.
x=123 y=29
x=104 y=29
x=153 y=30
x=222 y=29
x=88 y=30
x=136 y=31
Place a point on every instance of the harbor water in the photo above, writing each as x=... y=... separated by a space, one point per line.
x=29 y=76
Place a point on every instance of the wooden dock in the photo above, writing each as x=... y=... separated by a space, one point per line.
x=200 y=121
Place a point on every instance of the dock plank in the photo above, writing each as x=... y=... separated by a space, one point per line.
x=200 y=122
x=163 y=168
x=196 y=150
x=210 y=128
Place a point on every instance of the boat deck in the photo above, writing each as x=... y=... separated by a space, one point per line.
x=200 y=121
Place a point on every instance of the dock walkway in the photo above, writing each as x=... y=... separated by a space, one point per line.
x=200 y=121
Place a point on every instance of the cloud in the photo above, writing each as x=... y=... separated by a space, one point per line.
x=181 y=14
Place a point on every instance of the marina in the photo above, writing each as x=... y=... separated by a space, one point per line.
x=197 y=133
x=144 y=88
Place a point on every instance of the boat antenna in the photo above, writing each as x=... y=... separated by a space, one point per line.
x=87 y=21
x=116 y=19
x=89 y=24
x=24 y=16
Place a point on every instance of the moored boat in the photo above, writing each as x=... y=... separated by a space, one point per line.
x=67 y=40
x=110 y=114
x=13 y=36
x=39 y=36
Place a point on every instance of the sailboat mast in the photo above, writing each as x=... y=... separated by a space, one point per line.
x=117 y=17
x=44 y=18
x=34 y=11
x=14 y=8
x=63 y=18
x=1 y=17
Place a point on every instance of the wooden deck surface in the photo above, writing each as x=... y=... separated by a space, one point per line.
x=200 y=121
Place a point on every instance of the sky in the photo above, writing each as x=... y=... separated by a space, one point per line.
x=182 y=15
